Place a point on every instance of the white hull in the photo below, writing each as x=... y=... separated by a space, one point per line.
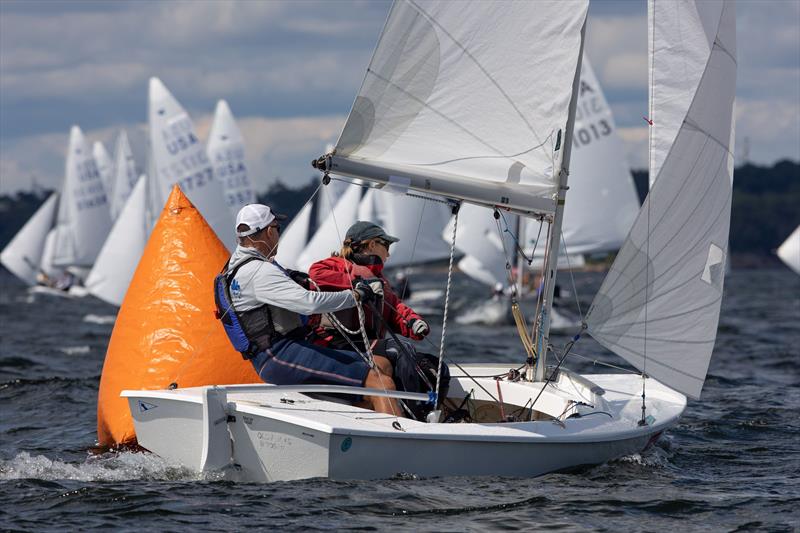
x=497 y=312
x=76 y=291
x=273 y=435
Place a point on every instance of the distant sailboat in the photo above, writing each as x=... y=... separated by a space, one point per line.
x=225 y=149
x=117 y=261
x=789 y=251
x=179 y=158
x=23 y=255
x=83 y=215
x=125 y=176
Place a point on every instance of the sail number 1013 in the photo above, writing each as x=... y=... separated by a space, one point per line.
x=592 y=132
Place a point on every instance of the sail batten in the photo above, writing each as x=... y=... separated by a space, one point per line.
x=452 y=101
x=659 y=306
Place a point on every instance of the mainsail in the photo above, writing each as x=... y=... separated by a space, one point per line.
x=445 y=109
x=226 y=152
x=658 y=308
x=83 y=216
x=789 y=251
x=125 y=175
x=116 y=263
x=23 y=255
x=178 y=158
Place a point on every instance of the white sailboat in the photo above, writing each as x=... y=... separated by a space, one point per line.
x=83 y=217
x=23 y=255
x=104 y=166
x=456 y=98
x=789 y=251
x=225 y=149
x=125 y=176
x=178 y=157
x=113 y=270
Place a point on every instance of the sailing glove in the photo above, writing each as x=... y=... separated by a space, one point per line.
x=420 y=328
x=368 y=290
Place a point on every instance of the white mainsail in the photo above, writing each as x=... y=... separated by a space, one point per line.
x=125 y=176
x=83 y=216
x=789 y=251
x=225 y=150
x=23 y=255
x=294 y=238
x=680 y=44
x=104 y=166
x=113 y=270
x=330 y=234
x=658 y=308
x=178 y=157
x=430 y=115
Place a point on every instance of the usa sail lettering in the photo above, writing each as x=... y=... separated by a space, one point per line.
x=196 y=180
x=240 y=197
x=178 y=135
x=89 y=196
x=87 y=171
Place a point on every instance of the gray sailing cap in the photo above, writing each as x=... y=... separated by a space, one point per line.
x=362 y=231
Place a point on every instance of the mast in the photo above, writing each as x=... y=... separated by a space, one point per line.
x=551 y=254
x=520 y=230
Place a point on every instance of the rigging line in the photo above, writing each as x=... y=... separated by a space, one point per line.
x=602 y=363
x=446 y=304
x=554 y=372
x=572 y=277
x=477 y=64
x=414 y=247
x=518 y=245
x=501 y=156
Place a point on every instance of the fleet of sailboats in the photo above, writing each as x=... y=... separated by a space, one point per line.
x=483 y=124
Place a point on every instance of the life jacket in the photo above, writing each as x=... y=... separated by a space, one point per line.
x=253 y=331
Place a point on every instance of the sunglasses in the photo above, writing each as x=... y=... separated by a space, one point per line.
x=383 y=243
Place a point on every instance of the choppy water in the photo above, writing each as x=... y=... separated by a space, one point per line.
x=733 y=462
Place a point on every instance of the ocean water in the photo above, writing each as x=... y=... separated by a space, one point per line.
x=732 y=463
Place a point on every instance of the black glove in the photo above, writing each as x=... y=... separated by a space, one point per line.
x=301 y=278
x=364 y=292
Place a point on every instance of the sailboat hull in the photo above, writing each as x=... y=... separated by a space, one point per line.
x=269 y=435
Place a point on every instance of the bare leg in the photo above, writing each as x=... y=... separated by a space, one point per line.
x=381 y=378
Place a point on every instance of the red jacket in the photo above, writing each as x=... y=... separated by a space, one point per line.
x=337 y=273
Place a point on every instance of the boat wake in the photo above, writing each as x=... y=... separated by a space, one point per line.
x=112 y=466
x=75 y=350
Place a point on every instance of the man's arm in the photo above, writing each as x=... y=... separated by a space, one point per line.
x=274 y=287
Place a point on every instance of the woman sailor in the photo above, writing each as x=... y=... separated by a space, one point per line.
x=361 y=259
x=263 y=309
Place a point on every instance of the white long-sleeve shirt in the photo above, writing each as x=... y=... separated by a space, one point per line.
x=264 y=282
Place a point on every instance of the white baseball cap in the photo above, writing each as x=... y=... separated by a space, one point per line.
x=256 y=217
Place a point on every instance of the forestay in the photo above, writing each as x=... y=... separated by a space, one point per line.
x=23 y=255
x=83 y=216
x=453 y=104
x=114 y=268
x=680 y=45
x=659 y=305
x=125 y=176
x=226 y=152
x=178 y=158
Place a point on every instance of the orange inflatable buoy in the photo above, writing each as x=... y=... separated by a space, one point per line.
x=166 y=331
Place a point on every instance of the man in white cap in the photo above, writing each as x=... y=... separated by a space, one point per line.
x=264 y=310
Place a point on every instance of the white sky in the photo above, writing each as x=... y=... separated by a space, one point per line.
x=290 y=71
